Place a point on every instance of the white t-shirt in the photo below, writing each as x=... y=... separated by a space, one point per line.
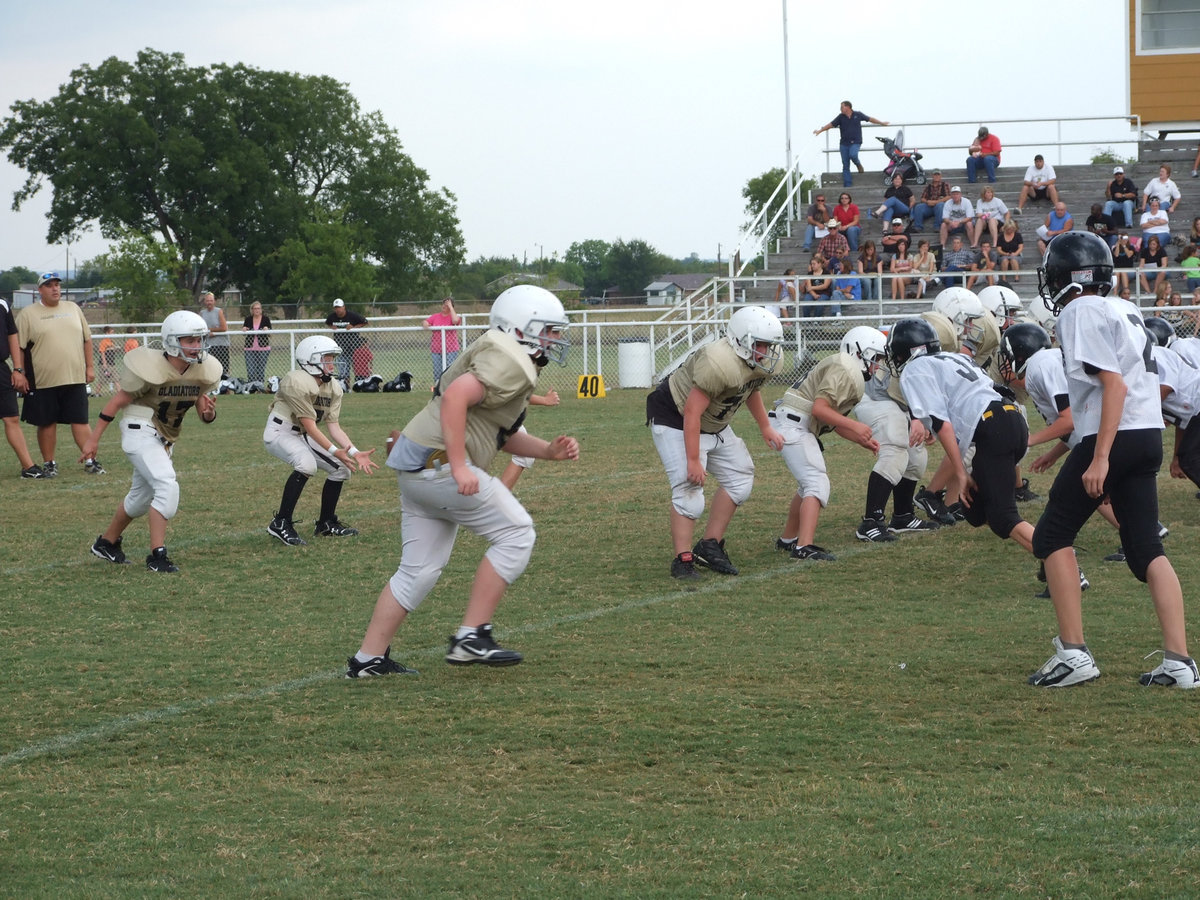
x=1106 y=333
x=957 y=212
x=1165 y=191
x=950 y=387
x=1046 y=382
x=992 y=209
x=1039 y=177
x=1165 y=228
x=1189 y=350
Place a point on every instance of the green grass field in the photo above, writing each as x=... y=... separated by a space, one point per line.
x=859 y=728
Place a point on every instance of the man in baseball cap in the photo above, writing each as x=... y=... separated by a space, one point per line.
x=958 y=216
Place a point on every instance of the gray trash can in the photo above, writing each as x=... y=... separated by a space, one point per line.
x=634 y=366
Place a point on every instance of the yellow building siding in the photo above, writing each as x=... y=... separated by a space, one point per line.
x=1162 y=86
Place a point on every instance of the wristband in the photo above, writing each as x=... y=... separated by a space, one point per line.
x=353 y=451
x=105 y=418
x=332 y=448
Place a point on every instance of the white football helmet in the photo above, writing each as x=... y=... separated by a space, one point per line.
x=1002 y=302
x=1042 y=314
x=866 y=344
x=311 y=353
x=963 y=308
x=180 y=324
x=751 y=326
x=535 y=317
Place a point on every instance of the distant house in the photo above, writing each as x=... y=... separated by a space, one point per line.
x=669 y=290
x=1163 y=64
x=552 y=283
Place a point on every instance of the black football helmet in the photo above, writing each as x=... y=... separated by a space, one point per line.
x=1074 y=260
x=1161 y=330
x=908 y=339
x=1020 y=342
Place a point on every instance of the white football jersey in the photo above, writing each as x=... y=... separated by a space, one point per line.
x=950 y=387
x=1181 y=404
x=1106 y=334
x=1046 y=382
x=1189 y=350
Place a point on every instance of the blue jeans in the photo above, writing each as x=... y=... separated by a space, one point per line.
x=849 y=154
x=1126 y=206
x=895 y=209
x=870 y=287
x=975 y=162
x=853 y=233
x=921 y=210
x=810 y=235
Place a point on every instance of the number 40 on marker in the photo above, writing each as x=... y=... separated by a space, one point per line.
x=590 y=386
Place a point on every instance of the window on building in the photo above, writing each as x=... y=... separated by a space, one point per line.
x=1168 y=26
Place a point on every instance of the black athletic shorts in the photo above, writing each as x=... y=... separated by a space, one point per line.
x=66 y=404
x=1001 y=439
x=8 y=396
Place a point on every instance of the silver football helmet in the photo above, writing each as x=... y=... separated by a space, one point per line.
x=1002 y=302
x=866 y=344
x=963 y=308
x=751 y=326
x=535 y=317
x=184 y=323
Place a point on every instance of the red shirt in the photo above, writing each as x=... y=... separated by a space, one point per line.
x=845 y=214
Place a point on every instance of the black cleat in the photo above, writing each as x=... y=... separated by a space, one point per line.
x=683 y=567
x=480 y=647
x=710 y=553
x=158 y=561
x=379 y=665
x=283 y=529
x=333 y=528
x=109 y=550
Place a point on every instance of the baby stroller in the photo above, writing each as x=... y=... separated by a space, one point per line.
x=905 y=163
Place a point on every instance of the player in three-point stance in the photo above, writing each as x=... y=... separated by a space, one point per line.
x=158 y=387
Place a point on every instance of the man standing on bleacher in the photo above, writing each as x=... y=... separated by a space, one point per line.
x=849 y=125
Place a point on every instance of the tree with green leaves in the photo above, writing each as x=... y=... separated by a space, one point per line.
x=589 y=259
x=631 y=265
x=232 y=175
x=12 y=279
x=757 y=193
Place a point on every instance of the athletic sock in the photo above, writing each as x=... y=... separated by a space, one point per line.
x=329 y=500
x=292 y=489
x=902 y=497
x=878 y=491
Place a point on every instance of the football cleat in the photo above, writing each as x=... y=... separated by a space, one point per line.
x=93 y=467
x=710 y=553
x=333 y=528
x=1118 y=556
x=50 y=469
x=786 y=546
x=1173 y=673
x=934 y=505
x=957 y=510
x=813 y=552
x=158 y=561
x=873 y=531
x=34 y=471
x=1024 y=494
x=283 y=529
x=109 y=550
x=1065 y=668
x=910 y=523
x=683 y=567
x=480 y=647
x=379 y=665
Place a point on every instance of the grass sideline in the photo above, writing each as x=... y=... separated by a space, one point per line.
x=860 y=728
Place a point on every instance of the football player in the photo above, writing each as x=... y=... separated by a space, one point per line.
x=1115 y=400
x=157 y=388
x=816 y=405
x=442 y=457
x=953 y=399
x=689 y=415
x=307 y=398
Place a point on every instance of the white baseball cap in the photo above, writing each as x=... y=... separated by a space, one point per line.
x=956 y=188
x=897 y=221
x=1118 y=169
x=337 y=303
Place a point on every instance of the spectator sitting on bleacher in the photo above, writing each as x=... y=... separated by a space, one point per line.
x=1190 y=263
x=924 y=267
x=984 y=153
x=1010 y=249
x=958 y=216
x=817 y=289
x=1039 y=183
x=1103 y=225
x=897 y=200
x=1156 y=221
x=990 y=212
x=1121 y=194
x=816 y=217
x=957 y=259
x=933 y=199
x=1152 y=254
x=896 y=240
x=869 y=265
x=1194 y=237
x=1057 y=221
x=833 y=246
x=1125 y=258
x=846 y=213
x=846 y=286
x=901 y=268
x=1163 y=188
x=986 y=264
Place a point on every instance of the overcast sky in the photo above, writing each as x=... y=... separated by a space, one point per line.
x=554 y=122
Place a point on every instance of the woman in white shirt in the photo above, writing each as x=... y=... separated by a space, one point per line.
x=1156 y=221
x=991 y=212
x=1163 y=188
